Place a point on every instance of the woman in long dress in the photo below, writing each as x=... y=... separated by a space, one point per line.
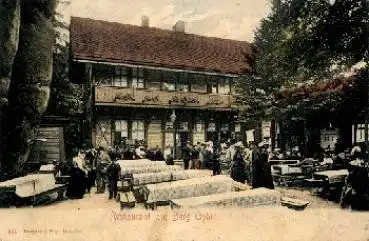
x=261 y=170
x=238 y=166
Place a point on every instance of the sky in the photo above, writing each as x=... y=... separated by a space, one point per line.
x=231 y=19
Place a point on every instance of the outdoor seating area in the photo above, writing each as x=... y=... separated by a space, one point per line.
x=31 y=189
x=198 y=187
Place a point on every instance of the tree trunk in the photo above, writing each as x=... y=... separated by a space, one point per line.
x=30 y=83
x=9 y=36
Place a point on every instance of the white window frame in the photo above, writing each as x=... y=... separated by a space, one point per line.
x=138 y=130
x=120 y=79
x=122 y=127
x=224 y=86
x=138 y=78
x=214 y=88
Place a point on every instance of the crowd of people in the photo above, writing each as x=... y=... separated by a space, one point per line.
x=90 y=168
x=98 y=167
x=244 y=163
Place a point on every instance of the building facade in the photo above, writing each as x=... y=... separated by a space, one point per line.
x=160 y=86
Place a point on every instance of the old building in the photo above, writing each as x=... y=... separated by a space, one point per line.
x=161 y=86
x=320 y=116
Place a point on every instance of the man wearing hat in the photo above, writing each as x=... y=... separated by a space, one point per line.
x=113 y=172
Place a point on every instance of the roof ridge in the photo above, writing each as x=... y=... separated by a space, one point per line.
x=161 y=29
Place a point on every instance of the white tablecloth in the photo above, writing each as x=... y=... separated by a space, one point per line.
x=135 y=161
x=149 y=169
x=150 y=178
x=189 y=174
x=249 y=198
x=188 y=188
x=140 y=164
x=333 y=175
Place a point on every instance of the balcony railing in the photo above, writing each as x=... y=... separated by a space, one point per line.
x=105 y=95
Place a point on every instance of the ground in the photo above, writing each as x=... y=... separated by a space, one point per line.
x=96 y=218
x=303 y=194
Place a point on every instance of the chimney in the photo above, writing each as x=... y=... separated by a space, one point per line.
x=179 y=26
x=145 y=21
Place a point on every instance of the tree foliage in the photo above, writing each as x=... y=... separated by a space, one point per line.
x=66 y=97
x=303 y=41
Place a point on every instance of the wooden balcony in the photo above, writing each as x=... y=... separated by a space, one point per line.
x=115 y=96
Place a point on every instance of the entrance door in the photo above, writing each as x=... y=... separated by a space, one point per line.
x=183 y=137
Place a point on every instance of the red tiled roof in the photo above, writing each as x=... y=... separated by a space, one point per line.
x=319 y=90
x=99 y=40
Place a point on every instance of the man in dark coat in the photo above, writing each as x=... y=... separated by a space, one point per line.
x=113 y=172
x=355 y=191
x=91 y=171
x=186 y=155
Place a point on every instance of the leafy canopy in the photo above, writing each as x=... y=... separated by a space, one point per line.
x=303 y=41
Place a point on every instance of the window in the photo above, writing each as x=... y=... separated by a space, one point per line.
x=104 y=74
x=198 y=82
x=214 y=88
x=138 y=80
x=200 y=127
x=169 y=80
x=138 y=130
x=111 y=75
x=121 y=76
x=183 y=84
x=237 y=127
x=224 y=86
x=121 y=131
x=224 y=128
x=153 y=79
x=183 y=87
